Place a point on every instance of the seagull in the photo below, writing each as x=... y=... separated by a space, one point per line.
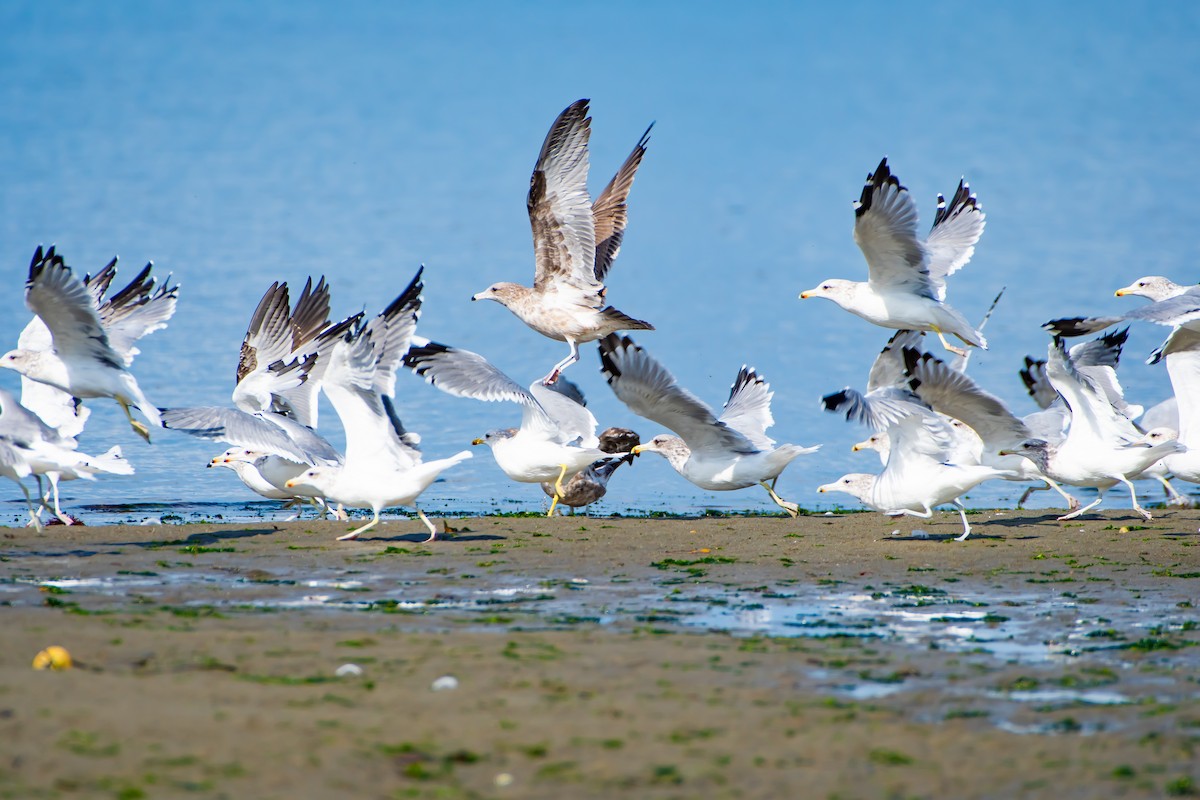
x=383 y=465
x=557 y=436
x=955 y=394
x=88 y=356
x=906 y=285
x=1182 y=356
x=1102 y=448
x=575 y=242
x=918 y=475
x=1176 y=311
x=131 y=313
x=14 y=467
x=1153 y=287
x=722 y=453
x=47 y=452
x=1097 y=360
x=267 y=475
x=591 y=484
x=283 y=357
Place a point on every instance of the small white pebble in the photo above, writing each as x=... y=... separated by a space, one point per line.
x=828 y=514
x=579 y=580
x=349 y=671
x=503 y=779
x=445 y=683
x=896 y=532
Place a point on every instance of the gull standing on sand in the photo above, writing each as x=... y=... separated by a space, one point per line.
x=557 y=436
x=906 y=285
x=722 y=453
x=575 y=242
x=919 y=474
x=88 y=355
x=383 y=465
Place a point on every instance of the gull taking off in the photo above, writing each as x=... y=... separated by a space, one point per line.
x=574 y=241
x=906 y=285
x=715 y=453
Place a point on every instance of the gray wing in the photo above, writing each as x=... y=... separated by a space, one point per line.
x=560 y=211
x=885 y=228
x=269 y=433
x=19 y=423
x=957 y=227
x=136 y=311
x=65 y=305
x=1179 y=310
x=268 y=336
x=463 y=373
x=950 y=392
x=748 y=409
x=888 y=369
x=610 y=213
x=650 y=391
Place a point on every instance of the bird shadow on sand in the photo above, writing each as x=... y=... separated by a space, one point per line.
x=927 y=536
x=201 y=538
x=422 y=537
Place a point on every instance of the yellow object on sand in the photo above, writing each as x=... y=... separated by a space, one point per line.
x=53 y=657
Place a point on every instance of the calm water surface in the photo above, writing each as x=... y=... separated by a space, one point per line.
x=235 y=144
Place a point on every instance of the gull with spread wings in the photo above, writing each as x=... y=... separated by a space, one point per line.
x=715 y=453
x=88 y=355
x=575 y=242
x=906 y=285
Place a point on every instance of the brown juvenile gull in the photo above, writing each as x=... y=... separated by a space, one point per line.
x=575 y=242
x=86 y=357
x=592 y=484
x=715 y=453
x=906 y=285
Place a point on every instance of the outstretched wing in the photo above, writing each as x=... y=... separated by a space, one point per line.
x=650 y=391
x=885 y=228
x=957 y=227
x=66 y=306
x=609 y=212
x=748 y=409
x=560 y=211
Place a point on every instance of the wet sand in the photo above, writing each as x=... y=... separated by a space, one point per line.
x=597 y=658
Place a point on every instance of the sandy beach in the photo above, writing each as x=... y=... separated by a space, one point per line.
x=524 y=657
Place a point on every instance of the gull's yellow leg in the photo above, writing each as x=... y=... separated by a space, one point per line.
x=354 y=533
x=138 y=428
x=958 y=351
x=428 y=524
x=791 y=508
x=558 y=490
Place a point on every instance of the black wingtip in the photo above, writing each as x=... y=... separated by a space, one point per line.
x=833 y=402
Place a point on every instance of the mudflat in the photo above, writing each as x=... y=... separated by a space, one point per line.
x=520 y=657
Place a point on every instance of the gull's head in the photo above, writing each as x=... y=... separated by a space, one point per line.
x=1153 y=287
x=878 y=442
x=672 y=448
x=1161 y=435
x=503 y=293
x=313 y=479
x=1036 y=450
x=856 y=484
x=498 y=435
x=20 y=360
x=833 y=289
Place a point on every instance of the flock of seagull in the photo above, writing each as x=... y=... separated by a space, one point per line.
x=937 y=432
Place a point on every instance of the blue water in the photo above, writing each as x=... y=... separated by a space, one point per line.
x=239 y=143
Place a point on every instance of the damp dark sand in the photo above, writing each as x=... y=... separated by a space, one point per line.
x=599 y=658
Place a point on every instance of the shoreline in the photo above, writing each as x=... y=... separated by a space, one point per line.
x=606 y=657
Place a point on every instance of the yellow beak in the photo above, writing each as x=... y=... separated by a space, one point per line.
x=1120 y=292
x=477 y=441
x=291 y=484
x=637 y=449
